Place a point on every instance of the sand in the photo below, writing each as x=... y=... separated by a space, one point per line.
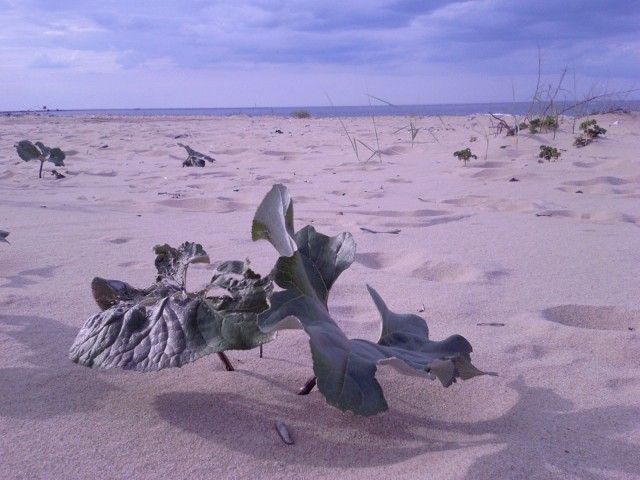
x=539 y=274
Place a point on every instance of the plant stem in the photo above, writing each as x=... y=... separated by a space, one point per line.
x=308 y=386
x=225 y=360
x=41 y=165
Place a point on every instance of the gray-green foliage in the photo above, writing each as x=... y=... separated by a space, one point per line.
x=465 y=155
x=166 y=326
x=27 y=151
x=590 y=132
x=542 y=124
x=301 y=114
x=346 y=369
x=548 y=153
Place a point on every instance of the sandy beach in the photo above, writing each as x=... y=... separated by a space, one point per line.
x=536 y=264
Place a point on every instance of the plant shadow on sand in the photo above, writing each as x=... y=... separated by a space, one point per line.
x=540 y=436
x=51 y=386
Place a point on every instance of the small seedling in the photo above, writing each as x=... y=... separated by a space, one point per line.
x=591 y=129
x=464 y=155
x=195 y=159
x=547 y=153
x=27 y=151
x=300 y=114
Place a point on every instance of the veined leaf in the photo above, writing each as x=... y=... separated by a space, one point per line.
x=172 y=263
x=57 y=156
x=164 y=326
x=44 y=149
x=28 y=151
x=346 y=369
x=273 y=221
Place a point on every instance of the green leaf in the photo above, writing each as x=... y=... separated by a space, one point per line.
x=163 y=326
x=346 y=369
x=27 y=151
x=172 y=263
x=57 y=156
x=44 y=149
x=273 y=220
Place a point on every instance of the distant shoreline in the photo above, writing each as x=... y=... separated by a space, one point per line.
x=504 y=108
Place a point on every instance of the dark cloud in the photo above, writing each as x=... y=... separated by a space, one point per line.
x=394 y=38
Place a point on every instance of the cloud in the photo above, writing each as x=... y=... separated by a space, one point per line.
x=392 y=39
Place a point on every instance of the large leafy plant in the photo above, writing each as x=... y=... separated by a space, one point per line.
x=166 y=326
x=27 y=151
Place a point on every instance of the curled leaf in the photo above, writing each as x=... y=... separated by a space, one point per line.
x=346 y=369
x=163 y=325
x=28 y=151
x=195 y=159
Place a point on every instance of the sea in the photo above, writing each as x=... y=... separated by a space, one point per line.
x=461 y=109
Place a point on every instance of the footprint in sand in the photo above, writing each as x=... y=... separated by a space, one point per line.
x=608 y=180
x=594 y=317
x=119 y=240
x=219 y=205
x=433 y=271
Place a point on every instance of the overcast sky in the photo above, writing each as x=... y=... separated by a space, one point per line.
x=243 y=53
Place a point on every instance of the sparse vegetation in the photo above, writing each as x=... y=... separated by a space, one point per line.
x=464 y=155
x=547 y=153
x=540 y=125
x=27 y=151
x=590 y=132
x=591 y=129
x=300 y=114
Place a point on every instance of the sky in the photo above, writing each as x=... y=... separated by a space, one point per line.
x=88 y=54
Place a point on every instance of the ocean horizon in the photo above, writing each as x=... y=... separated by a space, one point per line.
x=462 y=109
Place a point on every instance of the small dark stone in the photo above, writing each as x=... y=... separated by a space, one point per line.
x=514 y=179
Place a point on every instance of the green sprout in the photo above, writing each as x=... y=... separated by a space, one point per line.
x=464 y=155
x=591 y=129
x=548 y=153
x=590 y=132
x=27 y=151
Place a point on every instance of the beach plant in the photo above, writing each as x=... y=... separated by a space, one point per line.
x=3 y=236
x=28 y=151
x=167 y=326
x=547 y=153
x=465 y=155
x=195 y=159
x=301 y=114
x=540 y=125
x=591 y=129
x=590 y=132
